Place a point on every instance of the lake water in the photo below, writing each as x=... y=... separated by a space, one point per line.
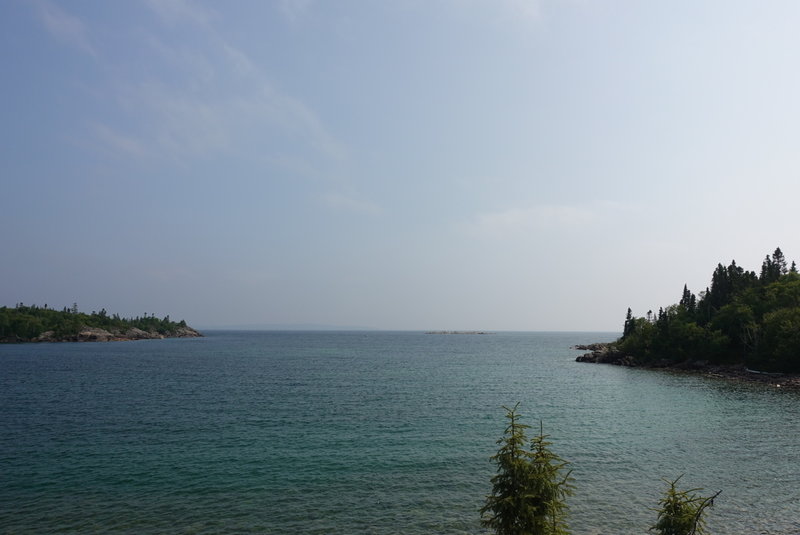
x=369 y=432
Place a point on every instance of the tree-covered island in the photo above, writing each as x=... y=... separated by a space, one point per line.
x=743 y=319
x=32 y=323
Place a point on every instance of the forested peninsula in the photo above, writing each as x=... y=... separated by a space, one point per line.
x=744 y=320
x=33 y=323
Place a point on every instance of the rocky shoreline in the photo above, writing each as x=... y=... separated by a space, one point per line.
x=607 y=353
x=94 y=334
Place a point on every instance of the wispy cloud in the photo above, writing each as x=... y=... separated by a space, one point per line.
x=514 y=221
x=295 y=9
x=585 y=217
x=181 y=125
x=177 y=123
x=216 y=95
x=298 y=117
x=117 y=141
x=196 y=66
x=65 y=27
x=180 y=12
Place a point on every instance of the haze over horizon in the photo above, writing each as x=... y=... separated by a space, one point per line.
x=503 y=165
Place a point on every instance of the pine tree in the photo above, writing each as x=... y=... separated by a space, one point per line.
x=550 y=486
x=779 y=261
x=681 y=511
x=773 y=268
x=721 y=288
x=686 y=297
x=629 y=324
x=529 y=490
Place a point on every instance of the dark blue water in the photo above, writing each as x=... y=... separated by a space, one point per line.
x=248 y=432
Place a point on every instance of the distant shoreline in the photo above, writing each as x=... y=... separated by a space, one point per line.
x=458 y=332
x=32 y=324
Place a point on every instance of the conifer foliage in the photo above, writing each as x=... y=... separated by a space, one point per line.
x=24 y=323
x=532 y=483
x=742 y=318
x=530 y=487
x=681 y=511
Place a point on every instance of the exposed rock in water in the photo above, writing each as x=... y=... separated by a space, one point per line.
x=185 y=332
x=605 y=353
x=138 y=334
x=95 y=334
x=598 y=346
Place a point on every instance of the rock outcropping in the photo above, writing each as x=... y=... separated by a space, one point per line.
x=605 y=353
x=94 y=334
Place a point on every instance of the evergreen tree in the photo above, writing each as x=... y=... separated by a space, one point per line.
x=529 y=490
x=681 y=511
x=779 y=347
x=688 y=301
x=779 y=261
x=726 y=282
x=741 y=318
x=704 y=310
x=550 y=486
x=766 y=269
x=629 y=325
x=506 y=510
x=773 y=268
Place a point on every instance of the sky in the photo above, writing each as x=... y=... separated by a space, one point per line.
x=521 y=165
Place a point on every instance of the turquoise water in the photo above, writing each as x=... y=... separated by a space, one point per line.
x=344 y=433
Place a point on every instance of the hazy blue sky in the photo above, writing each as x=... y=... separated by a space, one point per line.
x=410 y=164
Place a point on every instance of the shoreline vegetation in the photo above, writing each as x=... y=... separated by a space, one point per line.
x=35 y=324
x=743 y=327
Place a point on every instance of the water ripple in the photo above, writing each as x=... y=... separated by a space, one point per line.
x=342 y=433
